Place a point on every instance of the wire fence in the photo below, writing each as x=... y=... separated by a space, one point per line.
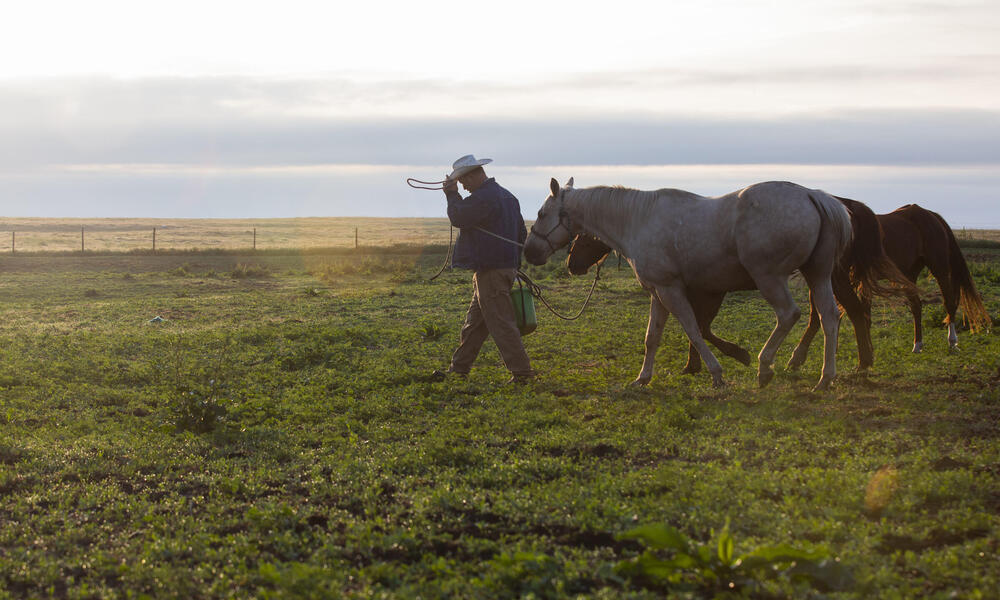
x=60 y=236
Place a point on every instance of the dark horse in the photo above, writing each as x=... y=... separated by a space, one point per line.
x=916 y=238
x=855 y=282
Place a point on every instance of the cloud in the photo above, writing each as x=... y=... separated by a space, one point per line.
x=855 y=137
x=341 y=120
x=250 y=147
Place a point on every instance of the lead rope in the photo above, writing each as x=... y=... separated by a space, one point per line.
x=438 y=184
x=447 y=256
x=533 y=287
x=536 y=291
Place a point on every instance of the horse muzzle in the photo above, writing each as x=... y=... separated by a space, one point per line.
x=536 y=252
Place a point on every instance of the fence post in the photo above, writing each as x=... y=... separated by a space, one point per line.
x=154 y=239
x=355 y=238
x=13 y=240
x=81 y=240
x=255 y=238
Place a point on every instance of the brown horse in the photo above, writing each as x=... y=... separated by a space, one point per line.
x=855 y=281
x=916 y=238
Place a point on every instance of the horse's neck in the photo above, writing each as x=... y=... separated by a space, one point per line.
x=608 y=214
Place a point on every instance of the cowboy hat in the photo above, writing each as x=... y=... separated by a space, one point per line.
x=466 y=164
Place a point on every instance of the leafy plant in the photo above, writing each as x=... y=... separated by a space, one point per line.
x=671 y=560
x=200 y=411
x=198 y=405
x=431 y=331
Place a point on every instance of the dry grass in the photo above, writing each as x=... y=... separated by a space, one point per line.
x=992 y=235
x=62 y=235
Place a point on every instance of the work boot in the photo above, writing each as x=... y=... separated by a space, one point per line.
x=438 y=375
x=521 y=379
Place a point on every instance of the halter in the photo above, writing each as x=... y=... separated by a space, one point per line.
x=564 y=222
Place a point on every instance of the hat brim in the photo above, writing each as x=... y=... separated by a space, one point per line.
x=467 y=168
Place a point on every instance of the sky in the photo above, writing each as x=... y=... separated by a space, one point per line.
x=296 y=108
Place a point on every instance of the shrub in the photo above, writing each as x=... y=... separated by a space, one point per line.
x=246 y=271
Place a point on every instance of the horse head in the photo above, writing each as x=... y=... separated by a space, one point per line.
x=551 y=230
x=585 y=252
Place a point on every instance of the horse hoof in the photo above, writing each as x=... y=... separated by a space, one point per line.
x=822 y=386
x=764 y=378
x=691 y=370
x=744 y=358
x=639 y=382
x=793 y=364
x=954 y=348
x=718 y=383
x=917 y=347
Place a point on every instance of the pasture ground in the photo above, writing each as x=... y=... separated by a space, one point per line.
x=273 y=435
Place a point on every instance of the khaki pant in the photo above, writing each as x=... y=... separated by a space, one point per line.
x=491 y=313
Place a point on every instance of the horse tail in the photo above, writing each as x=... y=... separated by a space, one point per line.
x=834 y=215
x=961 y=281
x=866 y=261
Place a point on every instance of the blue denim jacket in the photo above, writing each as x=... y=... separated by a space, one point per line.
x=494 y=209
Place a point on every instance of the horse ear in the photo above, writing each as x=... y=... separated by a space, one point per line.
x=569 y=184
x=554 y=187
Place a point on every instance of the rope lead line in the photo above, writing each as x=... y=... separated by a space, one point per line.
x=536 y=291
x=411 y=181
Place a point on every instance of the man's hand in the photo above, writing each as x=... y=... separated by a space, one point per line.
x=450 y=185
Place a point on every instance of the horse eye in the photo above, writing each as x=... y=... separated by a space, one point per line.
x=541 y=214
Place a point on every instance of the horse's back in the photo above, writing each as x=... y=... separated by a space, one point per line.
x=911 y=235
x=776 y=225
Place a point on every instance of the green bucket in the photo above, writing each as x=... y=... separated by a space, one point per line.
x=524 y=308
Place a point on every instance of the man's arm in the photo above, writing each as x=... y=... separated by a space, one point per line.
x=468 y=212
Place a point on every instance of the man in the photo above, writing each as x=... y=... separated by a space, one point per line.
x=488 y=208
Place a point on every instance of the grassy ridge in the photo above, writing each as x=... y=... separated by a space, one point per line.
x=274 y=436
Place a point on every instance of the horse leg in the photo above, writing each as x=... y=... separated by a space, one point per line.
x=654 y=331
x=949 y=295
x=728 y=348
x=802 y=349
x=775 y=291
x=706 y=307
x=821 y=293
x=676 y=301
x=913 y=300
x=859 y=311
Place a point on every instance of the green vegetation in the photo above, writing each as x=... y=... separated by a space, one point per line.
x=274 y=434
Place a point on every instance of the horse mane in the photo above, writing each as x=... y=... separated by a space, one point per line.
x=635 y=205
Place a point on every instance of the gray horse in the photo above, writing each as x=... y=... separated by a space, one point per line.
x=681 y=245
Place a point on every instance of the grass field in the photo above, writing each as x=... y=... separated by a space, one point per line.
x=273 y=434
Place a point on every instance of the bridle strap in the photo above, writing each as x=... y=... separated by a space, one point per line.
x=563 y=222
